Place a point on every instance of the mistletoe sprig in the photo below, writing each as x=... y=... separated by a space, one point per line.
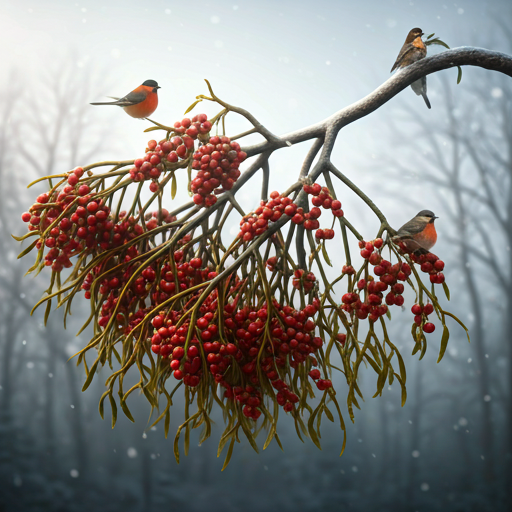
x=251 y=324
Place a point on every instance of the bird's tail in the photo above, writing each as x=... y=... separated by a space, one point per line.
x=108 y=102
x=426 y=100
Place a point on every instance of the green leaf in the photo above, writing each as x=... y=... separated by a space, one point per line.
x=188 y=110
x=250 y=437
x=28 y=249
x=459 y=322
x=90 y=375
x=328 y=413
x=230 y=452
x=150 y=397
x=437 y=41
x=446 y=291
x=325 y=255
x=114 y=409
x=126 y=410
x=459 y=75
x=174 y=186
x=270 y=436
x=431 y=35
x=444 y=343
x=404 y=390
x=101 y=409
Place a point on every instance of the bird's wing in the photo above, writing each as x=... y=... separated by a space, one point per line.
x=406 y=48
x=409 y=229
x=132 y=98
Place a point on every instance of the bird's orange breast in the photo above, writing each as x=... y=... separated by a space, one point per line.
x=428 y=237
x=144 y=108
x=418 y=43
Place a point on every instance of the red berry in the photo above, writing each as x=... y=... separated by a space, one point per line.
x=416 y=309
x=314 y=374
x=428 y=309
x=429 y=327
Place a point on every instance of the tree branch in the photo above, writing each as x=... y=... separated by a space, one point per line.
x=463 y=56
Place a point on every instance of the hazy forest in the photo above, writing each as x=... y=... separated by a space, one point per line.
x=448 y=449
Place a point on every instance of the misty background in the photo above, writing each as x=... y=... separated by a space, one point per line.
x=290 y=64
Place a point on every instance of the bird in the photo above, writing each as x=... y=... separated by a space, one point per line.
x=419 y=234
x=139 y=103
x=414 y=49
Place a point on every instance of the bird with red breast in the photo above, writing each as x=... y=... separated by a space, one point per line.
x=139 y=103
x=419 y=234
x=413 y=50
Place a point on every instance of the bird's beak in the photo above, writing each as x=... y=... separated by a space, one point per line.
x=422 y=34
x=157 y=87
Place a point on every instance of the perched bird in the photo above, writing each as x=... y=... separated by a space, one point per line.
x=414 y=49
x=419 y=234
x=139 y=103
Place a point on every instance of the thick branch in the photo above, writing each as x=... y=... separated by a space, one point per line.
x=463 y=56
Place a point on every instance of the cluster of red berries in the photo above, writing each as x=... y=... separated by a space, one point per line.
x=248 y=340
x=372 y=307
x=197 y=127
x=158 y=156
x=421 y=316
x=188 y=274
x=430 y=264
x=256 y=223
x=303 y=278
x=322 y=198
x=388 y=274
x=158 y=218
x=87 y=223
x=217 y=164
x=162 y=155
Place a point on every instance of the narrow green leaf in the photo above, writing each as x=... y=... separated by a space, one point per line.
x=446 y=291
x=27 y=250
x=250 y=437
x=279 y=442
x=25 y=236
x=190 y=108
x=174 y=186
x=167 y=422
x=176 y=446
x=114 y=409
x=328 y=413
x=151 y=398
x=90 y=375
x=126 y=411
x=459 y=322
x=404 y=390
x=438 y=42
x=325 y=255
x=47 y=311
x=230 y=452
x=101 y=408
x=459 y=75
x=431 y=35
x=270 y=436
x=444 y=343
x=152 y=129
